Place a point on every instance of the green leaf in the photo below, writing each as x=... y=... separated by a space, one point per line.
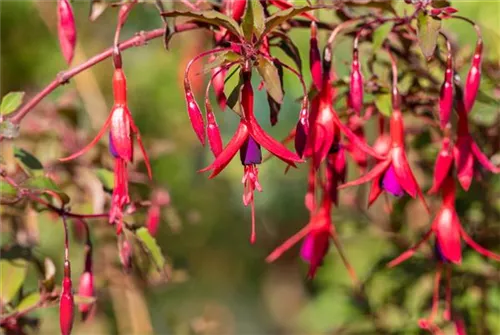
x=259 y=19
x=28 y=160
x=46 y=185
x=81 y=300
x=12 y=275
x=10 y=102
x=278 y=18
x=28 y=302
x=220 y=59
x=247 y=22
x=384 y=103
x=107 y=178
x=380 y=34
x=291 y=50
x=270 y=75
x=152 y=247
x=234 y=97
x=211 y=17
x=7 y=190
x=428 y=31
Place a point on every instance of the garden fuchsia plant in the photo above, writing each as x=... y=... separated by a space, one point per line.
x=332 y=121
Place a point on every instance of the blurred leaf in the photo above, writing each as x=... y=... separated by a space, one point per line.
x=291 y=50
x=50 y=272
x=220 y=59
x=440 y=3
x=106 y=177
x=12 y=274
x=27 y=159
x=380 y=4
x=211 y=17
x=150 y=244
x=278 y=18
x=10 y=102
x=46 y=185
x=428 y=31
x=97 y=7
x=28 y=302
x=384 y=104
x=485 y=114
x=270 y=75
x=7 y=189
x=83 y=300
x=380 y=34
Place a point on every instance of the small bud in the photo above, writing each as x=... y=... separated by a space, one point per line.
x=86 y=289
x=301 y=132
x=66 y=303
x=473 y=77
x=446 y=94
x=153 y=219
x=356 y=85
x=125 y=251
x=66 y=29
x=315 y=58
x=213 y=132
x=195 y=115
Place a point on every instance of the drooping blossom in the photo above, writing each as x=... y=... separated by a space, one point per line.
x=66 y=29
x=66 y=302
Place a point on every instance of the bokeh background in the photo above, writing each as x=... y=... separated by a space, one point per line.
x=219 y=283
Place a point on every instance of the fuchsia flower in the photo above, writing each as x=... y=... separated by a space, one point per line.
x=355 y=98
x=316 y=234
x=393 y=173
x=315 y=58
x=448 y=249
x=473 y=77
x=66 y=303
x=249 y=137
x=66 y=29
x=446 y=94
x=86 y=287
x=121 y=129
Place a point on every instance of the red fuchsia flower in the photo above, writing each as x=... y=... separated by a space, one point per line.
x=235 y=8
x=121 y=129
x=248 y=139
x=355 y=98
x=393 y=173
x=315 y=58
x=448 y=231
x=316 y=237
x=446 y=94
x=466 y=151
x=444 y=162
x=324 y=123
x=66 y=29
x=66 y=303
x=473 y=77
x=448 y=249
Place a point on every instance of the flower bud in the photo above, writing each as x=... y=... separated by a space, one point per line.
x=473 y=78
x=446 y=94
x=86 y=289
x=213 y=132
x=194 y=113
x=356 y=85
x=315 y=58
x=153 y=219
x=66 y=29
x=301 y=132
x=66 y=303
x=125 y=251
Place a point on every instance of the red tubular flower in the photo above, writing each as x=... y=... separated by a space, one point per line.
x=393 y=173
x=86 y=289
x=448 y=230
x=66 y=303
x=466 y=150
x=121 y=128
x=235 y=8
x=248 y=139
x=446 y=94
x=316 y=234
x=66 y=29
x=315 y=58
x=473 y=77
x=356 y=84
x=444 y=162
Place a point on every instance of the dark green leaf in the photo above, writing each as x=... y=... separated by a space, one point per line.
x=222 y=58
x=46 y=185
x=234 y=97
x=385 y=5
x=428 y=32
x=28 y=302
x=291 y=51
x=380 y=34
x=440 y=3
x=270 y=75
x=107 y=179
x=151 y=246
x=485 y=98
x=278 y=18
x=211 y=17
x=12 y=275
x=10 y=102
x=384 y=104
x=27 y=159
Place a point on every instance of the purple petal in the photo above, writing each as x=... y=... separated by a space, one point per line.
x=391 y=184
x=438 y=253
x=307 y=249
x=250 y=153
x=112 y=148
x=300 y=138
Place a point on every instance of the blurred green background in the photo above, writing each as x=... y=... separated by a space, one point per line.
x=220 y=284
